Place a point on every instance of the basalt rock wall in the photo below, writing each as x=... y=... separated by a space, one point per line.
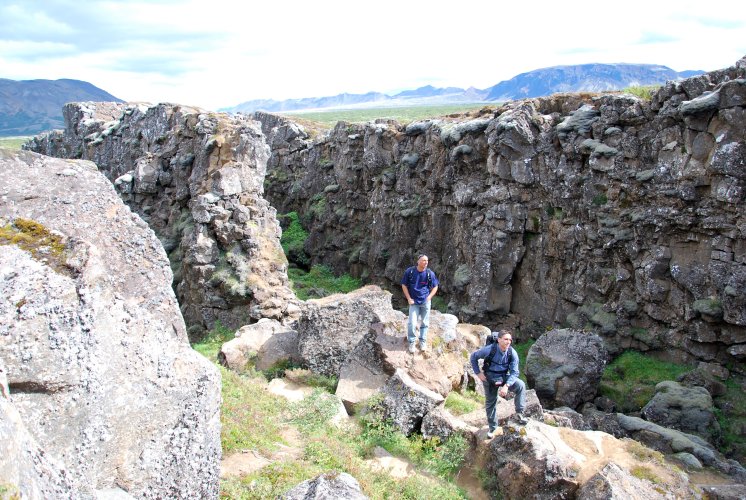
x=604 y=212
x=197 y=179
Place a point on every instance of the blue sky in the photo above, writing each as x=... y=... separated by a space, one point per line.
x=219 y=53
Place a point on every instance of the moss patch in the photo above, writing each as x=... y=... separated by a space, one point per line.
x=39 y=241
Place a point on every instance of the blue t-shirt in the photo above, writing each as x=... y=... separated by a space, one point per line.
x=418 y=284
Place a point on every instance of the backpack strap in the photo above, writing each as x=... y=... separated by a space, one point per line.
x=491 y=356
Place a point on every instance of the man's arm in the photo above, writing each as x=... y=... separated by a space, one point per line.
x=404 y=289
x=432 y=293
x=474 y=360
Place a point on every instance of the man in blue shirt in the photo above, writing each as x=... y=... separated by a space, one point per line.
x=419 y=285
x=500 y=377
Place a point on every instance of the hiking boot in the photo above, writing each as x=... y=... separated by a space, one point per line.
x=423 y=345
x=411 y=348
x=491 y=434
x=521 y=418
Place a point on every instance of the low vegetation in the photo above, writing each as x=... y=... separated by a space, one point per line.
x=254 y=419
x=631 y=378
x=401 y=114
x=630 y=382
x=320 y=281
x=13 y=142
x=643 y=91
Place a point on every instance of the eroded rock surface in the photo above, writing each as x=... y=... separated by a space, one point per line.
x=99 y=370
x=197 y=179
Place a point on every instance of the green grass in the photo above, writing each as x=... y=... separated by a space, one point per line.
x=320 y=282
x=643 y=91
x=461 y=404
x=631 y=378
x=13 y=142
x=210 y=345
x=254 y=419
x=401 y=114
x=522 y=350
x=732 y=419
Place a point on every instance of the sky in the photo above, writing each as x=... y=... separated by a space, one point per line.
x=219 y=53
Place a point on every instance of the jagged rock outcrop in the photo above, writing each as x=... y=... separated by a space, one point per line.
x=565 y=367
x=197 y=179
x=99 y=371
x=606 y=212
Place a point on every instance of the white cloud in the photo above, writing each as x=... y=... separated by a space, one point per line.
x=219 y=53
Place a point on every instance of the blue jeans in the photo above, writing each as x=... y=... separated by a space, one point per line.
x=490 y=399
x=423 y=312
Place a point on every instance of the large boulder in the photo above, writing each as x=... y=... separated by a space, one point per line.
x=99 y=370
x=565 y=367
x=688 y=409
x=542 y=461
x=405 y=403
x=330 y=328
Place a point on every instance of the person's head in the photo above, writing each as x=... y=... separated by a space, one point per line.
x=504 y=339
x=422 y=262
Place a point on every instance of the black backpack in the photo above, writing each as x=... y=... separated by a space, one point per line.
x=492 y=340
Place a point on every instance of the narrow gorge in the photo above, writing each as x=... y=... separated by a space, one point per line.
x=603 y=212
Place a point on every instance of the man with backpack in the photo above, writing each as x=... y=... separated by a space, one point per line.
x=419 y=285
x=499 y=374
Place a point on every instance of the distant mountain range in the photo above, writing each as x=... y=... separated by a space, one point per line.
x=32 y=106
x=28 y=107
x=540 y=82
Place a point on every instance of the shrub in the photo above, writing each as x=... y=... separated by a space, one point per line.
x=293 y=240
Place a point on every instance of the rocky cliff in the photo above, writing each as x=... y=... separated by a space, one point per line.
x=100 y=392
x=197 y=179
x=605 y=212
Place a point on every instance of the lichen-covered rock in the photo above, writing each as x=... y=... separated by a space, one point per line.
x=565 y=367
x=98 y=366
x=688 y=409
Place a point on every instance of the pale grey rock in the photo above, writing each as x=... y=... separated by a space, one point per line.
x=267 y=341
x=441 y=423
x=565 y=366
x=327 y=486
x=330 y=328
x=95 y=350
